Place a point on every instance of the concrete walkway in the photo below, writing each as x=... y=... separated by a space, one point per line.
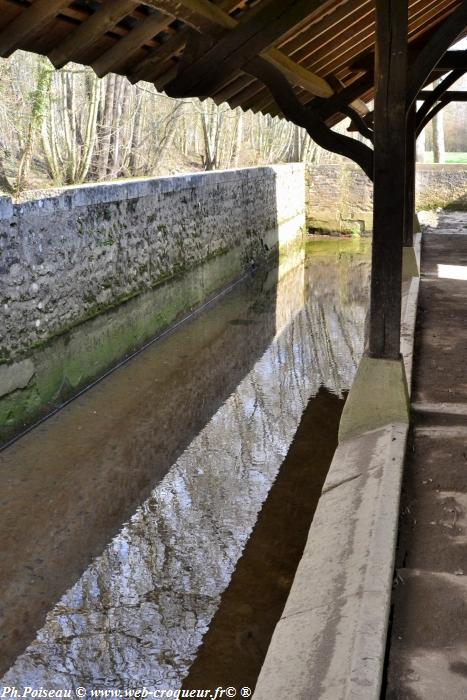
x=428 y=643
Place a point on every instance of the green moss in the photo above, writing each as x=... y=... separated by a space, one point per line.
x=335 y=245
x=16 y=410
x=75 y=355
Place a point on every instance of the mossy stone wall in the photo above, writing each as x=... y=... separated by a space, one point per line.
x=339 y=197
x=89 y=274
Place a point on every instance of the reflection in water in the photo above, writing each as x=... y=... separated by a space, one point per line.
x=139 y=612
x=234 y=648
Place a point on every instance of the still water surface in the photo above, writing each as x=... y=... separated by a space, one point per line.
x=211 y=447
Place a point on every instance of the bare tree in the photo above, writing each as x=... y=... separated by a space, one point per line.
x=73 y=127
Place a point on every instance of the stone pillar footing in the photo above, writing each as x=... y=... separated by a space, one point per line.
x=378 y=397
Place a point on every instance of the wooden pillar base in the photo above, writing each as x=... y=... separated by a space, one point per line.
x=378 y=397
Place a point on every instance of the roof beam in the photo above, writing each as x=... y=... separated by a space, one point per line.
x=190 y=12
x=449 y=95
x=153 y=64
x=453 y=60
x=103 y=19
x=358 y=105
x=296 y=73
x=28 y=24
x=240 y=45
x=324 y=109
x=120 y=52
x=211 y=12
x=293 y=110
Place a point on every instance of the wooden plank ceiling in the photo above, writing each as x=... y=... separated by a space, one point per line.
x=203 y=47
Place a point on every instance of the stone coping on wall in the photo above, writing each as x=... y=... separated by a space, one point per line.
x=71 y=196
x=330 y=642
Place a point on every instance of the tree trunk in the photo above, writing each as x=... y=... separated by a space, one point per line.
x=136 y=134
x=90 y=127
x=38 y=99
x=439 y=155
x=105 y=130
x=116 y=125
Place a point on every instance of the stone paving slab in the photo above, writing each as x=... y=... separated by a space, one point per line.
x=428 y=645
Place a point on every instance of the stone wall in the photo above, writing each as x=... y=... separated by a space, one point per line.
x=442 y=186
x=340 y=197
x=88 y=274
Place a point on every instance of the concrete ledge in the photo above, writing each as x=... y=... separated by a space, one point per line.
x=411 y=255
x=330 y=642
x=410 y=266
x=331 y=638
x=409 y=314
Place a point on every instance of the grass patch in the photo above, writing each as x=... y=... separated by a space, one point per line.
x=459 y=157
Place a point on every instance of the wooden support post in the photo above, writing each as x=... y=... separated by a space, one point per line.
x=410 y=164
x=389 y=178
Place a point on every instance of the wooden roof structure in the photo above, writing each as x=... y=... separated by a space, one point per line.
x=320 y=46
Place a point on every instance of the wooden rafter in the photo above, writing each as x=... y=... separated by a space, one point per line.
x=76 y=43
x=152 y=43
x=423 y=13
x=29 y=23
x=243 y=43
x=239 y=34
x=112 y=59
x=160 y=58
